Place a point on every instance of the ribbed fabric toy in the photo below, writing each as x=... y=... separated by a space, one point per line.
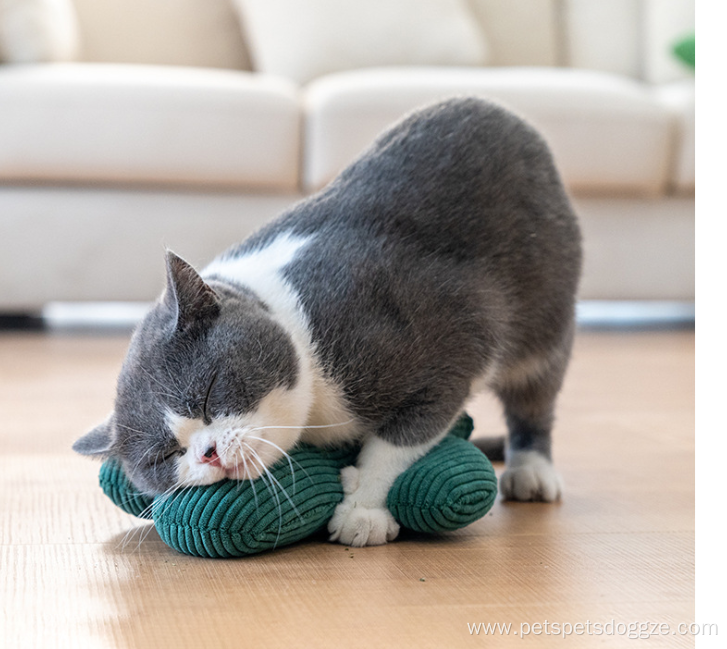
x=450 y=487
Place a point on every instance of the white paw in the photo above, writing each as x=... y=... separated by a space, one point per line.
x=530 y=476
x=355 y=525
x=349 y=479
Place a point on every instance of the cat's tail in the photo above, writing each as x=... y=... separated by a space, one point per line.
x=492 y=447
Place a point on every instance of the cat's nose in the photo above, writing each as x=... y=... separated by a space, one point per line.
x=210 y=456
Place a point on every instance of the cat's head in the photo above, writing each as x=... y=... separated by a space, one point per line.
x=211 y=387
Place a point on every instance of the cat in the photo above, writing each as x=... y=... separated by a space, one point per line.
x=444 y=260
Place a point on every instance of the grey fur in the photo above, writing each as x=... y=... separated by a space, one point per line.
x=447 y=250
x=173 y=360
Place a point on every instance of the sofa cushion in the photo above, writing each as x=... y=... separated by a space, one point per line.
x=305 y=39
x=520 y=32
x=37 y=31
x=605 y=36
x=607 y=133
x=204 y=33
x=126 y=123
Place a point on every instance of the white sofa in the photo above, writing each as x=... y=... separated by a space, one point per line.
x=161 y=134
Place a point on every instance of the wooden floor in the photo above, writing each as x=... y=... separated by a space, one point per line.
x=619 y=549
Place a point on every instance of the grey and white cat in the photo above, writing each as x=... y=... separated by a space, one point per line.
x=444 y=260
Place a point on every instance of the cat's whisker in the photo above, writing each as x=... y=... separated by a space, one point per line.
x=271 y=488
x=250 y=480
x=164 y=494
x=167 y=497
x=127 y=537
x=143 y=530
x=189 y=384
x=237 y=443
x=272 y=477
x=134 y=430
x=285 y=454
x=164 y=394
x=144 y=456
x=156 y=447
x=156 y=380
x=342 y=423
x=156 y=460
x=171 y=376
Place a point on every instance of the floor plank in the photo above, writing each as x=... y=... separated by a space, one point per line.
x=77 y=572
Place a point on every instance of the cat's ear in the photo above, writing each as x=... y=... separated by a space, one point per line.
x=98 y=442
x=188 y=297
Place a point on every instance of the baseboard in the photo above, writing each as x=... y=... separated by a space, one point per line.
x=591 y=314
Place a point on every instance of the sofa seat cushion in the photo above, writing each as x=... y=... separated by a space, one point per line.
x=608 y=133
x=146 y=124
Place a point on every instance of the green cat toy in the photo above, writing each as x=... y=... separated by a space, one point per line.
x=450 y=487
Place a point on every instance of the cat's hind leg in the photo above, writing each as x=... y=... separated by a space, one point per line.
x=528 y=391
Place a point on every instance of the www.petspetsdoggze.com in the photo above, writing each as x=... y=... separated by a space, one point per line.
x=631 y=630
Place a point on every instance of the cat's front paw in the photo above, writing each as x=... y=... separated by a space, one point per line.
x=355 y=525
x=530 y=476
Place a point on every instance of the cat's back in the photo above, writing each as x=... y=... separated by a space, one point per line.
x=463 y=177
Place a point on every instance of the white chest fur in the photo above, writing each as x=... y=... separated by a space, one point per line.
x=328 y=420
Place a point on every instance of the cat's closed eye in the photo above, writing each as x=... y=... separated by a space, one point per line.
x=165 y=456
x=205 y=412
x=198 y=406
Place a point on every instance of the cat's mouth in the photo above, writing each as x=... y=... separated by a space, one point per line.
x=248 y=463
x=232 y=469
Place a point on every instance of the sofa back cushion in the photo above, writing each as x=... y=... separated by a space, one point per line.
x=203 y=33
x=307 y=39
x=630 y=37
x=520 y=32
x=604 y=36
x=38 y=31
